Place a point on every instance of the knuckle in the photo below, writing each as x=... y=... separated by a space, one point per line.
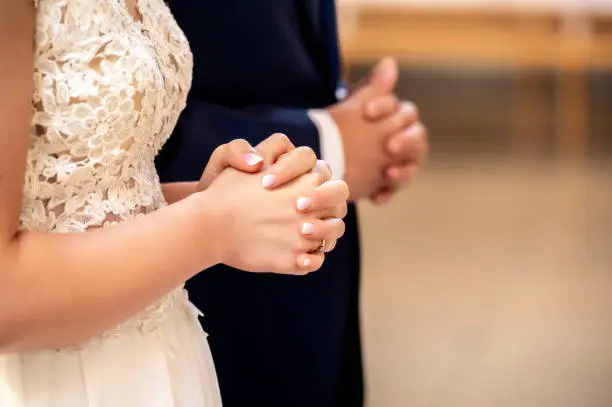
x=219 y=151
x=238 y=147
x=239 y=142
x=331 y=246
x=343 y=210
x=308 y=154
x=425 y=132
x=344 y=190
x=280 y=138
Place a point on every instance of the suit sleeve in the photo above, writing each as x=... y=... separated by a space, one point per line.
x=204 y=126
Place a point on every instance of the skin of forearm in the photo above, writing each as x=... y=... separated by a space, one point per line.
x=57 y=290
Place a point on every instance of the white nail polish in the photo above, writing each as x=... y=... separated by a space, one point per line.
x=408 y=107
x=307 y=262
x=252 y=159
x=268 y=180
x=413 y=131
x=308 y=229
x=303 y=203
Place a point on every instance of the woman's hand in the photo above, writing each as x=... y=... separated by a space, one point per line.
x=278 y=230
x=276 y=154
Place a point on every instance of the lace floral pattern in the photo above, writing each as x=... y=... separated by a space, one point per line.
x=149 y=321
x=108 y=91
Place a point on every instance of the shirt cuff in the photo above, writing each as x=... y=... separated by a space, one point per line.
x=332 y=150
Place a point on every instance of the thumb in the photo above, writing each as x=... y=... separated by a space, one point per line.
x=385 y=75
x=381 y=82
x=237 y=154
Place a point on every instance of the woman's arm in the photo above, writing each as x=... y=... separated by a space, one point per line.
x=59 y=289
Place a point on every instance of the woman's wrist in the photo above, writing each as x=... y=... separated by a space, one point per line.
x=215 y=219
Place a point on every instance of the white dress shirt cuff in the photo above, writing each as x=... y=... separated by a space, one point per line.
x=330 y=141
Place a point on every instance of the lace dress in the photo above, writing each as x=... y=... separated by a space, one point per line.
x=108 y=90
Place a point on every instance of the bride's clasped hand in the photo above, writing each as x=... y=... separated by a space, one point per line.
x=282 y=219
x=94 y=248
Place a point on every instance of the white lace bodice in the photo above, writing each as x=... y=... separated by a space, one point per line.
x=108 y=90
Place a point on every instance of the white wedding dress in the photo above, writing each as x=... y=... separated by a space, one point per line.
x=108 y=90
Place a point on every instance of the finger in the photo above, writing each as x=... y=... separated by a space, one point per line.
x=385 y=74
x=318 y=230
x=309 y=262
x=381 y=107
x=292 y=164
x=314 y=247
x=409 y=145
x=338 y=211
x=327 y=195
x=238 y=154
x=405 y=116
x=400 y=173
x=323 y=170
x=384 y=196
x=329 y=246
x=273 y=147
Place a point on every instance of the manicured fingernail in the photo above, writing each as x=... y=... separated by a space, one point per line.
x=306 y=262
x=308 y=229
x=252 y=159
x=412 y=131
x=304 y=203
x=321 y=168
x=407 y=107
x=268 y=180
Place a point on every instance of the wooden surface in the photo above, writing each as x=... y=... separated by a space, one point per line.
x=569 y=37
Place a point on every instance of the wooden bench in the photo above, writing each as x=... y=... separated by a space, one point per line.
x=569 y=37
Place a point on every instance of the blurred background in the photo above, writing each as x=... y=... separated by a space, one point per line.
x=488 y=283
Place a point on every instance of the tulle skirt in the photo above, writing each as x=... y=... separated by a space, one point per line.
x=159 y=359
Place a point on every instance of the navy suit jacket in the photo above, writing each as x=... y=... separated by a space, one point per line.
x=277 y=340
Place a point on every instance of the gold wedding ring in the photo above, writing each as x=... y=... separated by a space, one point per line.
x=322 y=247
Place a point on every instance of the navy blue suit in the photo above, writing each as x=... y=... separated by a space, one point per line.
x=277 y=341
